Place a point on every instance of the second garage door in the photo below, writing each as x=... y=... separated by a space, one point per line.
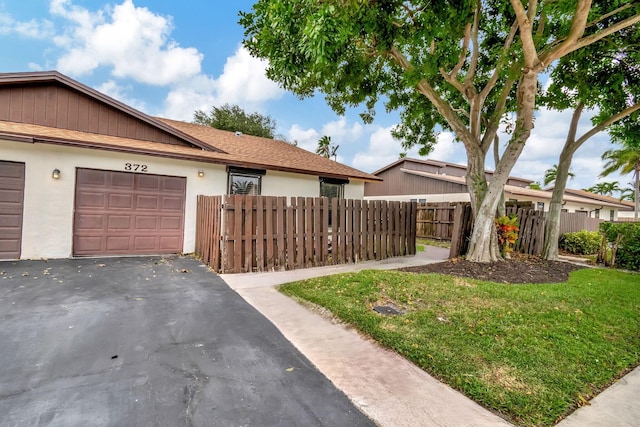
x=120 y=213
x=11 y=204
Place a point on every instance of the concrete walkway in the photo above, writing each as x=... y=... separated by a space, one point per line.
x=385 y=386
x=388 y=388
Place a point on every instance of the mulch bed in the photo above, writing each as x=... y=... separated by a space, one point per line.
x=519 y=269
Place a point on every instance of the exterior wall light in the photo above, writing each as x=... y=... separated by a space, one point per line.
x=55 y=174
x=200 y=173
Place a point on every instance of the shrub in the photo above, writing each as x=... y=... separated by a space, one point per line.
x=507 y=228
x=624 y=239
x=581 y=242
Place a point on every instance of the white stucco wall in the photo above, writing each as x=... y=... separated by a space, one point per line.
x=47 y=230
x=425 y=198
x=276 y=183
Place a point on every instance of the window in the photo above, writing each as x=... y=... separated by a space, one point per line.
x=332 y=188
x=540 y=206
x=612 y=215
x=597 y=211
x=245 y=181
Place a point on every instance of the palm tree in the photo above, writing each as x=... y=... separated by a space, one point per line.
x=551 y=174
x=324 y=146
x=624 y=161
x=628 y=193
x=605 y=188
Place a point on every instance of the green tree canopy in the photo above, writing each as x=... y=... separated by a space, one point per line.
x=461 y=65
x=235 y=119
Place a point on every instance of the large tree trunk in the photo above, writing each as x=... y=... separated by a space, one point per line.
x=552 y=223
x=483 y=243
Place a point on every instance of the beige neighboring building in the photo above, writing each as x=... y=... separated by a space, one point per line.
x=82 y=174
x=435 y=181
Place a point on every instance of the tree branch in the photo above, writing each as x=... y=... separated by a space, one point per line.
x=474 y=53
x=603 y=125
x=463 y=55
x=526 y=36
x=496 y=72
x=567 y=46
x=441 y=105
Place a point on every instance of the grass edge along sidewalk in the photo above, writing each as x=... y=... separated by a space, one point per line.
x=532 y=352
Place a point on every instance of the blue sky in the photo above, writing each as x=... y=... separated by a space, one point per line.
x=170 y=58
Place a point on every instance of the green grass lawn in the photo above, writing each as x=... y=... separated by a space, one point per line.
x=530 y=352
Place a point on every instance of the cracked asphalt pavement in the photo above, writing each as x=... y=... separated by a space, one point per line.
x=148 y=341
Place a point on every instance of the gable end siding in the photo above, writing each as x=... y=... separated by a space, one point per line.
x=48 y=104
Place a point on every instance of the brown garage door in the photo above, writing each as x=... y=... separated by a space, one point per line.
x=120 y=213
x=11 y=204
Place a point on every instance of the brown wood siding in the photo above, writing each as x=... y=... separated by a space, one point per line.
x=57 y=106
x=11 y=208
x=120 y=213
x=398 y=183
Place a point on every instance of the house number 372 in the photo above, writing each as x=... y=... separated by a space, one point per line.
x=135 y=167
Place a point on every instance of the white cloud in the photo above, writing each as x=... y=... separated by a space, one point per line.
x=33 y=29
x=341 y=132
x=132 y=40
x=306 y=138
x=382 y=150
x=242 y=82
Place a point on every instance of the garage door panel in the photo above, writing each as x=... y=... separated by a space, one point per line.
x=122 y=180
x=145 y=243
x=90 y=221
x=147 y=202
x=149 y=182
x=171 y=223
x=118 y=243
x=86 y=199
x=141 y=219
x=11 y=208
x=9 y=222
x=120 y=201
x=172 y=184
x=168 y=242
x=172 y=203
x=146 y=222
x=9 y=246
x=119 y=222
x=88 y=244
x=11 y=198
x=90 y=177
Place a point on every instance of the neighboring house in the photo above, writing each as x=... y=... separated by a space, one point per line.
x=83 y=174
x=435 y=181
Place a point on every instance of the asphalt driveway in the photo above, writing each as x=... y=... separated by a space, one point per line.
x=148 y=342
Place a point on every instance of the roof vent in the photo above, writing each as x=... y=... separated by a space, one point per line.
x=238 y=133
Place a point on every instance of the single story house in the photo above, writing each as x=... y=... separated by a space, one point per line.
x=435 y=181
x=82 y=174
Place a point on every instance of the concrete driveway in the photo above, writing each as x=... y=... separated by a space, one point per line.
x=148 y=342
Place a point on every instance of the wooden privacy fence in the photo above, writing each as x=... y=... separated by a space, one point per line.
x=531 y=235
x=238 y=233
x=570 y=222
